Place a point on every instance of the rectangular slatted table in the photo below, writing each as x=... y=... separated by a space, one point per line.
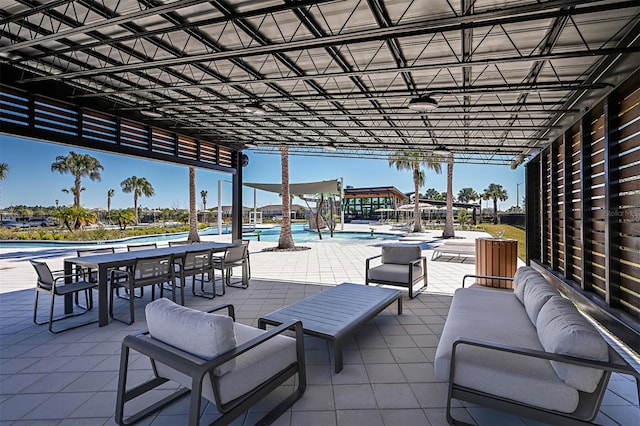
x=336 y=312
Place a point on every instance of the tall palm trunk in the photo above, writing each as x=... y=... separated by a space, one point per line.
x=135 y=206
x=495 y=210
x=285 y=240
x=448 y=231
x=76 y=193
x=417 y=223
x=193 y=213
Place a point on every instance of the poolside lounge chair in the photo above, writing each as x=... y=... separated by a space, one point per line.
x=52 y=283
x=232 y=365
x=402 y=266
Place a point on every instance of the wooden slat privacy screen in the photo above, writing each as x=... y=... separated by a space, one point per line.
x=583 y=205
x=43 y=118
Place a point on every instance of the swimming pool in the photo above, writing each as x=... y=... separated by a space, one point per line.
x=300 y=235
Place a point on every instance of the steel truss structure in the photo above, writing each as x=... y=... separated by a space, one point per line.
x=329 y=77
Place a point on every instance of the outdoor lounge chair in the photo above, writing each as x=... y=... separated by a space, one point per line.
x=51 y=282
x=402 y=266
x=148 y=271
x=210 y=355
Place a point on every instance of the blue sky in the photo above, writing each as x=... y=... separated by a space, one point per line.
x=30 y=180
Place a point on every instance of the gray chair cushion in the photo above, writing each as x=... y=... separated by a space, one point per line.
x=400 y=254
x=199 y=333
x=537 y=292
x=563 y=330
x=523 y=274
x=252 y=368
x=395 y=273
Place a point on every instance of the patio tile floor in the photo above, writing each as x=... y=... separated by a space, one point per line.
x=388 y=379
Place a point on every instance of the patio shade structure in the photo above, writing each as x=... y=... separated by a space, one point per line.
x=195 y=82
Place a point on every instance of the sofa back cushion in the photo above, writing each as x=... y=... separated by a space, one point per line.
x=537 y=292
x=563 y=330
x=400 y=254
x=520 y=279
x=198 y=333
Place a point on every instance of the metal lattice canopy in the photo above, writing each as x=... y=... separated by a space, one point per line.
x=329 y=77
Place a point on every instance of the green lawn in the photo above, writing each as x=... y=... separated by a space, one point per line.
x=509 y=232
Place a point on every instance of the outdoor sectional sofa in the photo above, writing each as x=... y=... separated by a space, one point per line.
x=528 y=351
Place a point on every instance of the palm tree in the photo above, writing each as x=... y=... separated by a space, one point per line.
x=139 y=186
x=193 y=212
x=78 y=216
x=448 y=231
x=203 y=195
x=124 y=217
x=4 y=168
x=79 y=165
x=467 y=194
x=495 y=192
x=412 y=161
x=110 y=194
x=432 y=194
x=285 y=241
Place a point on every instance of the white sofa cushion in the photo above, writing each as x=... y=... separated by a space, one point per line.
x=522 y=275
x=394 y=273
x=400 y=254
x=497 y=316
x=537 y=292
x=563 y=330
x=198 y=333
x=252 y=368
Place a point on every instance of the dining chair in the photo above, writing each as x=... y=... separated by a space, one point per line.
x=179 y=243
x=236 y=256
x=146 y=271
x=53 y=283
x=197 y=265
x=136 y=247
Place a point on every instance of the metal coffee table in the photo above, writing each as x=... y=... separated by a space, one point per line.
x=336 y=312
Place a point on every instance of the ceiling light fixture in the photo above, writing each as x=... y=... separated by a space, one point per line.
x=250 y=145
x=151 y=113
x=423 y=103
x=254 y=109
x=442 y=151
x=329 y=148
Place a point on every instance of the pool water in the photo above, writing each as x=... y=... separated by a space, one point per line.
x=300 y=235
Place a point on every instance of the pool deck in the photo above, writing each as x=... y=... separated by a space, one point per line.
x=388 y=377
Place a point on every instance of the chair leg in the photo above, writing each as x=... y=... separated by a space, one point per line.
x=203 y=293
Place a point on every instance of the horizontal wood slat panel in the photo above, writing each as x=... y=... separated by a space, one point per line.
x=630 y=100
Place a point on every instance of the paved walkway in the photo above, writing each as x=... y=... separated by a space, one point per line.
x=387 y=379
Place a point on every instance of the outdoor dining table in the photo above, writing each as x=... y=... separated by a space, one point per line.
x=104 y=262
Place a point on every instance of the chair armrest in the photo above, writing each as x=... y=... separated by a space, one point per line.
x=484 y=276
x=417 y=260
x=231 y=312
x=185 y=363
x=369 y=259
x=62 y=277
x=534 y=353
